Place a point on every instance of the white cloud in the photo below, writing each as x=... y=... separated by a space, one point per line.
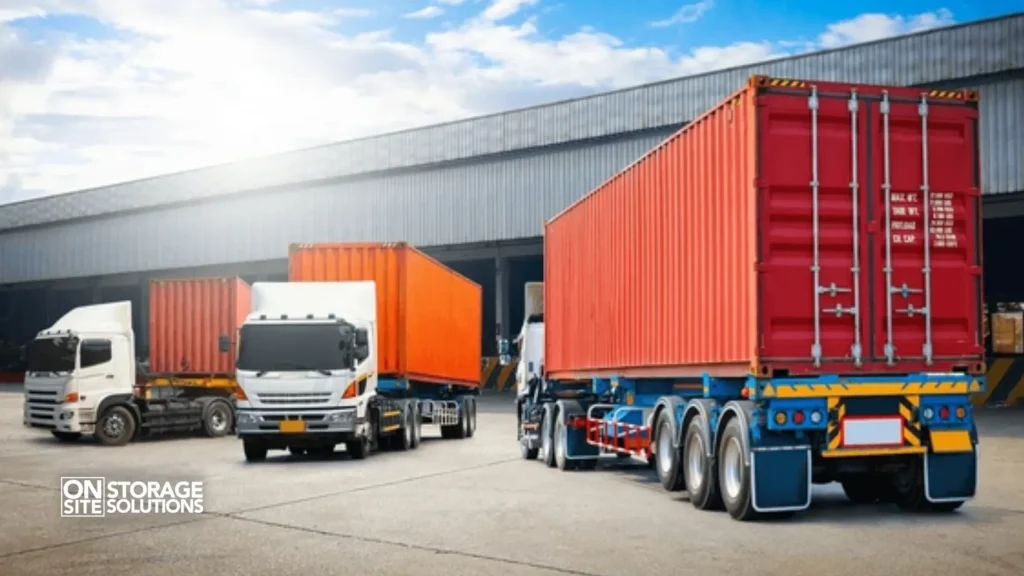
x=688 y=14
x=426 y=13
x=501 y=9
x=196 y=82
x=868 y=27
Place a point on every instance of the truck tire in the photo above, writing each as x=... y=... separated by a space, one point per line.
x=116 y=427
x=403 y=440
x=699 y=476
x=458 y=430
x=358 y=449
x=547 y=437
x=734 y=474
x=254 y=452
x=908 y=491
x=471 y=413
x=666 y=456
x=217 y=419
x=560 y=442
x=66 y=436
x=417 y=426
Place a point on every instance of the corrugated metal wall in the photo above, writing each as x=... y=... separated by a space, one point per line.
x=502 y=198
x=1002 y=135
x=976 y=49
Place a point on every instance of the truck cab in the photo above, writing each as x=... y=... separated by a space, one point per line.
x=78 y=367
x=307 y=368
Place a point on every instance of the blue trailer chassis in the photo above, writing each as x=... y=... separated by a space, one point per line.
x=756 y=446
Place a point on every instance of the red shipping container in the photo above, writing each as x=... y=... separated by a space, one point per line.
x=188 y=316
x=428 y=316
x=699 y=257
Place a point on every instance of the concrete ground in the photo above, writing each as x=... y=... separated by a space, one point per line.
x=471 y=507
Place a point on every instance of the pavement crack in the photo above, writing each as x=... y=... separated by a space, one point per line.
x=368 y=487
x=100 y=537
x=27 y=485
x=411 y=546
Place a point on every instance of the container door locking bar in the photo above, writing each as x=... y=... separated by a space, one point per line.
x=812 y=103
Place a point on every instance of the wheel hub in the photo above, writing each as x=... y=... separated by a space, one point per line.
x=665 y=449
x=114 y=426
x=695 y=462
x=733 y=462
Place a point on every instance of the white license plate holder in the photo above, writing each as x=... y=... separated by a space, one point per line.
x=872 y=432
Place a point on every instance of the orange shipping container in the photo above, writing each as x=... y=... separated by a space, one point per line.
x=186 y=319
x=761 y=239
x=428 y=316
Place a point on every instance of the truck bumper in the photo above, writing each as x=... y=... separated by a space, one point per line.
x=66 y=418
x=284 y=428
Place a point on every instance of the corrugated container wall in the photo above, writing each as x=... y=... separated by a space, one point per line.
x=698 y=258
x=428 y=316
x=188 y=316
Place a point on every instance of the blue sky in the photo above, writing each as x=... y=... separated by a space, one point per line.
x=99 y=91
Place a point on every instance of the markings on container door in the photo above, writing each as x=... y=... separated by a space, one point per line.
x=943 y=217
x=905 y=212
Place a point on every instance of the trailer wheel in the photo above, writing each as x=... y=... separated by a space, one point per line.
x=666 y=455
x=116 y=426
x=698 y=474
x=217 y=419
x=734 y=474
x=66 y=436
x=908 y=491
x=254 y=452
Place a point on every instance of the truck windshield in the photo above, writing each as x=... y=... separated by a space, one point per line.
x=50 y=355
x=282 y=347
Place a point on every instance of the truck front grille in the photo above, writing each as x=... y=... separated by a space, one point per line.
x=294 y=399
x=43 y=407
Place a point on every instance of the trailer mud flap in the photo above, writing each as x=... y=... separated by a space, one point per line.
x=951 y=477
x=780 y=478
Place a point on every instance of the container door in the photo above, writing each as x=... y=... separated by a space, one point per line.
x=813 y=169
x=926 y=275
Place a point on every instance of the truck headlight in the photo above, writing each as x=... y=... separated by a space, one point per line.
x=346 y=416
x=248 y=418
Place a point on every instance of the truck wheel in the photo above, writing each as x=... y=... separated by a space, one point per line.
x=908 y=491
x=116 y=426
x=734 y=474
x=417 y=426
x=528 y=453
x=698 y=475
x=666 y=455
x=217 y=419
x=403 y=441
x=471 y=420
x=254 y=452
x=561 y=444
x=358 y=449
x=66 y=436
x=547 y=438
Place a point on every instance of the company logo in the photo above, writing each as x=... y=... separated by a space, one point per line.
x=97 y=497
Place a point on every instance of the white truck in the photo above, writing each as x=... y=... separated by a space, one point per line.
x=81 y=379
x=308 y=372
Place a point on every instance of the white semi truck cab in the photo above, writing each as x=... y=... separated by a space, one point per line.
x=307 y=368
x=78 y=367
x=81 y=380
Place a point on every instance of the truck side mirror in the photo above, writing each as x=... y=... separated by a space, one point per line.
x=362 y=353
x=362 y=338
x=224 y=343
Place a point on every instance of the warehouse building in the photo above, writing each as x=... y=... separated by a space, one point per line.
x=473 y=193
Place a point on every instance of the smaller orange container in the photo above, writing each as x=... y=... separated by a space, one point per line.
x=186 y=319
x=428 y=316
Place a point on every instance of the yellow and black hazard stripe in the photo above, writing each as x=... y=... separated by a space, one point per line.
x=1004 y=384
x=494 y=376
x=769 y=82
x=911 y=425
x=908 y=410
x=966 y=95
